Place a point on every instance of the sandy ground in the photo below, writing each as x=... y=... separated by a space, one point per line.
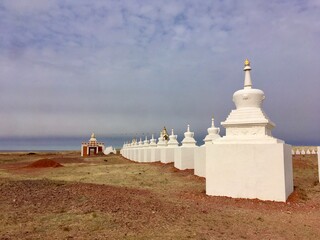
x=109 y=197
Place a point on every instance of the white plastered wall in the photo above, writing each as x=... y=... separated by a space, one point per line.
x=262 y=171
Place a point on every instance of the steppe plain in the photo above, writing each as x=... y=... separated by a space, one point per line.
x=109 y=197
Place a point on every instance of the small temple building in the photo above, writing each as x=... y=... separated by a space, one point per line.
x=93 y=147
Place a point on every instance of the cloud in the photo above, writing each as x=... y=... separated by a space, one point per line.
x=129 y=67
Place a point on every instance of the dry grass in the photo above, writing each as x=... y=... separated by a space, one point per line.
x=109 y=197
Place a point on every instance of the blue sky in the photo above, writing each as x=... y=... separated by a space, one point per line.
x=121 y=68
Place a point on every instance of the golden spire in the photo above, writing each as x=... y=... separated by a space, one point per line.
x=246 y=63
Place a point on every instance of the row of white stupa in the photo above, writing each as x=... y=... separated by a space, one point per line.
x=186 y=156
x=304 y=151
x=212 y=132
x=246 y=163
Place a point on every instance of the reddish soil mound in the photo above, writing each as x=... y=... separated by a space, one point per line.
x=62 y=159
x=44 y=163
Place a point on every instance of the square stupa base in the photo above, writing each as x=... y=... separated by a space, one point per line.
x=135 y=155
x=200 y=161
x=155 y=155
x=184 y=158
x=147 y=154
x=262 y=171
x=167 y=155
x=141 y=155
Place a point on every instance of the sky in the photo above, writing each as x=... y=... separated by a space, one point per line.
x=127 y=68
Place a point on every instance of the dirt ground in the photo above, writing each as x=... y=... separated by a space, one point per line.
x=109 y=197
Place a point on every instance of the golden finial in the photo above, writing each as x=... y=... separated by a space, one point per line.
x=246 y=63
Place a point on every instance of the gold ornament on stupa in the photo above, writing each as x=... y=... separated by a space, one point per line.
x=246 y=63
x=165 y=134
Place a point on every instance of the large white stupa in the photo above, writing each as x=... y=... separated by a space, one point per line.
x=249 y=162
x=248 y=122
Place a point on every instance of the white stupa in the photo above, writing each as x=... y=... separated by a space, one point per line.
x=213 y=133
x=248 y=162
x=152 y=150
x=161 y=141
x=248 y=122
x=93 y=138
x=173 y=142
x=184 y=155
x=146 y=142
x=200 y=153
x=152 y=142
x=145 y=150
x=167 y=154
x=188 y=140
x=140 y=154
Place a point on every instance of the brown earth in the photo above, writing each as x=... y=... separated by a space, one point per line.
x=152 y=201
x=43 y=163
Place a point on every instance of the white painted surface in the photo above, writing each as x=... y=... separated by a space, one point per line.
x=188 y=140
x=213 y=133
x=262 y=171
x=200 y=153
x=167 y=155
x=184 y=155
x=109 y=150
x=184 y=158
x=249 y=162
x=173 y=142
x=153 y=157
x=157 y=154
x=248 y=122
x=200 y=161
x=141 y=154
x=135 y=154
x=147 y=155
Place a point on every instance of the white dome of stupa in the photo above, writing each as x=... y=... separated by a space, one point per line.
x=213 y=133
x=173 y=140
x=248 y=96
x=188 y=140
x=93 y=138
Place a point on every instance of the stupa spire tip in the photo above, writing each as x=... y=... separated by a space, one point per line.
x=246 y=62
x=247 y=78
